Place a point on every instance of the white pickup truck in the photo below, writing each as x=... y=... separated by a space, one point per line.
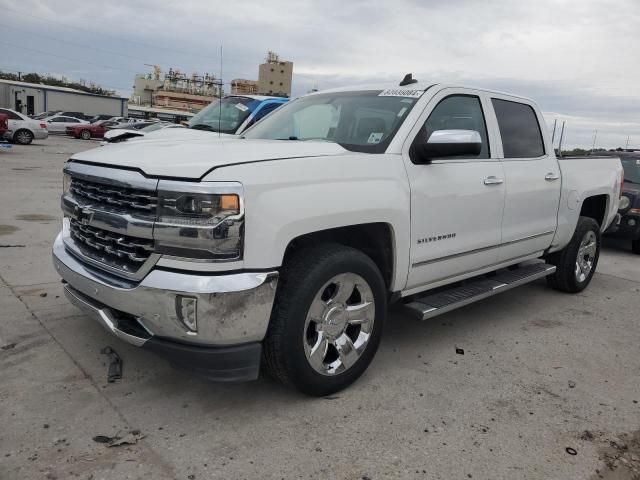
x=283 y=248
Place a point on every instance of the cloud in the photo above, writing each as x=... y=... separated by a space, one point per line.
x=577 y=58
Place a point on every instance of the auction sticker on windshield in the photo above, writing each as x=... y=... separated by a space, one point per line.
x=242 y=107
x=401 y=92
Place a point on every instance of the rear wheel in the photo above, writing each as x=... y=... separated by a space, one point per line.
x=327 y=321
x=635 y=246
x=23 y=137
x=577 y=262
x=85 y=134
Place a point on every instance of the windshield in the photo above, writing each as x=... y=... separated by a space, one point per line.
x=361 y=121
x=631 y=170
x=235 y=111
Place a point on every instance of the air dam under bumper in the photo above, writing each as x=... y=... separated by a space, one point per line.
x=233 y=312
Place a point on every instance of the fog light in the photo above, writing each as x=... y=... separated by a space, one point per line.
x=632 y=222
x=186 y=309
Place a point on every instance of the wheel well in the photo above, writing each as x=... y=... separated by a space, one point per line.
x=595 y=207
x=23 y=130
x=373 y=239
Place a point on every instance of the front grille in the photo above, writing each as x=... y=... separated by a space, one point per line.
x=117 y=251
x=111 y=198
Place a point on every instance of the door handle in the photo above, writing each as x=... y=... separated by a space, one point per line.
x=493 y=180
x=550 y=177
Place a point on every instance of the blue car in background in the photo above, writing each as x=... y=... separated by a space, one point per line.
x=235 y=113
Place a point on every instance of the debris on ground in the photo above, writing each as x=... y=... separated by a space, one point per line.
x=130 y=438
x=459 y=351
x=43 y=294
x=115 y=364
x=571 y=451
x=8 y=346
x=572 y=384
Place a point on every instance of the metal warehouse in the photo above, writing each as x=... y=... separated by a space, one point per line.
x=33 y=98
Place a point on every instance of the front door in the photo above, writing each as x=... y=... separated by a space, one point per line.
x=456 y=203
x=532 y=178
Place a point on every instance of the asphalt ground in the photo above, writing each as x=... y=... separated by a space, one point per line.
x=547 y=388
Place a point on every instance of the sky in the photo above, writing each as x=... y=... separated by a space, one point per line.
x=580 y=60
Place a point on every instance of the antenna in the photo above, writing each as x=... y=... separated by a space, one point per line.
x=220 y=95
x=408 y=80
x=553 y=135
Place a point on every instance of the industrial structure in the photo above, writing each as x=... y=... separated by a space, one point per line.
x=176 y=90
x=274 y=76
x=34 y=98
x=241 y=86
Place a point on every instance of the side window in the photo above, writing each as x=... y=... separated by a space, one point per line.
x=458 y=112
x=519 y=129
x=11 y=115
x=58 y=120
x=266 y=110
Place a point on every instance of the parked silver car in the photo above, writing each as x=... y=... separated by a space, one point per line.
x=22 y=129
x=59 y=123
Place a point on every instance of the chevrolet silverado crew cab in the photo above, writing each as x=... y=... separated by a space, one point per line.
x=284 y=247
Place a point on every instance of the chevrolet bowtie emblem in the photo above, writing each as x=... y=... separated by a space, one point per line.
x=84 y=215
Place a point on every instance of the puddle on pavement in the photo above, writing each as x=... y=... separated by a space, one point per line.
x=620 y=455
x=8 y=229
x=35 y=217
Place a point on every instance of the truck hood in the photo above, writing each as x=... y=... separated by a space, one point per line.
x=191 y=158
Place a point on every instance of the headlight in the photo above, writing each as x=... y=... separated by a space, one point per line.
x=624 y=202
x=203 y=221
x=66 y=182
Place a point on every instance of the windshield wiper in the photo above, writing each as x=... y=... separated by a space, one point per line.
x=203 y=126
x=290 y=138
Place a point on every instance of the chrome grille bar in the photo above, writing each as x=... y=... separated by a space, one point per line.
x=136 y=200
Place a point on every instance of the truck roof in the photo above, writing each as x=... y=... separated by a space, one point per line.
x=413 y=86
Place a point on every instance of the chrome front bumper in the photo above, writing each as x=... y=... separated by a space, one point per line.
x=231 y=309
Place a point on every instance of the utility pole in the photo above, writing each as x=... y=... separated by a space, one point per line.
x=595 y=135
x=561 y=138
x=19 y=76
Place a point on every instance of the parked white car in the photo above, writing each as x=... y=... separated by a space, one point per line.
x=22 y=129
x=59 y=123
x=284 y=246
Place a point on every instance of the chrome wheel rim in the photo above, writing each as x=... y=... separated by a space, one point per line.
x=339 y=324
x=586 y=256
x=23 y=137
x=85 y=135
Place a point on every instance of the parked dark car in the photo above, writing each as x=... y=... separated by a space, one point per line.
x=628 y=226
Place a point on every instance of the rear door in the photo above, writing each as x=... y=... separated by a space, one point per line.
x=532 y=177
x=456 y=203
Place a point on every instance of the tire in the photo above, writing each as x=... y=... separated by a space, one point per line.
x=319 y=278
x=577 y=262
x=635 y=246
x=85 y=135
x=23 y=137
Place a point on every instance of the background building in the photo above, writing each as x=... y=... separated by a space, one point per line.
x=274 y=76
x=175 y=90
x=241 y=86
x=34 y=98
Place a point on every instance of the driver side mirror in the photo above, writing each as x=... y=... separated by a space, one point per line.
x=447 y=143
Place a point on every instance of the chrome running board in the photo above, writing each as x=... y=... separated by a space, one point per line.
x=476 y=289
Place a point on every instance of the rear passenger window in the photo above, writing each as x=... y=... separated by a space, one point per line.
x=519 y=129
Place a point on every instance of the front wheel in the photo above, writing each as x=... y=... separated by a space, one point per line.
x=327 y=321
x=635 y=246
x=85 y=134
x=577 y=262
